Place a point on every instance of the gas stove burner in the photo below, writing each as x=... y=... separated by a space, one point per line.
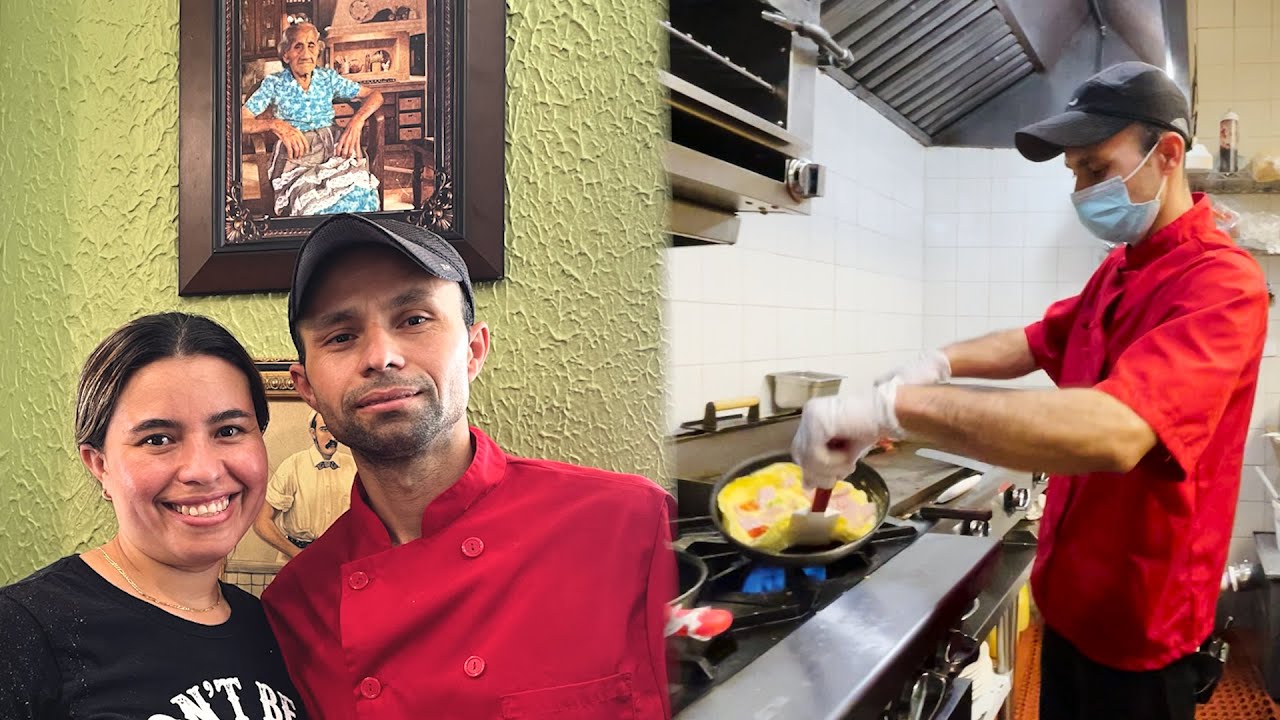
x=763 y=612
x=766 y=578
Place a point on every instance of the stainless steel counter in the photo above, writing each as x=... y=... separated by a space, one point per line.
x=913 y=480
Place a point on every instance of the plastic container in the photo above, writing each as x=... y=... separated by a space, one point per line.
x=1023 y=605
x=1229 y=143
x=1199 y=159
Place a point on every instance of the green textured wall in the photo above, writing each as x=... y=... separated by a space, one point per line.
x=88 y=169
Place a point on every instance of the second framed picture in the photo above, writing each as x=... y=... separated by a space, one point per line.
x=309 y=483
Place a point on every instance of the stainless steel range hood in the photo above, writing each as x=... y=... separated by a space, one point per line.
x=741 y=83
x=740 y=89
x=958 y=72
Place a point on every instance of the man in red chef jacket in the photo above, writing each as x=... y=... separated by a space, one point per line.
x=463 y=582
x=1156 y=363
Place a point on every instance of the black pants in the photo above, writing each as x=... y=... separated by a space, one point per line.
x=1073 y=687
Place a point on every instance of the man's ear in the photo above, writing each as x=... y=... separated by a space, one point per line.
x=298 y=374
x=1172 y=151
x=478 y=349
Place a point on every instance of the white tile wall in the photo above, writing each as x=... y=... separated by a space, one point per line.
x=1236 y=46
x=840 y=290
x=999 y=261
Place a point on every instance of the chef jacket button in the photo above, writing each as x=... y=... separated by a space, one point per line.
x=370 y=687
x=357 y=580
x=472 y=547
x=474 y=666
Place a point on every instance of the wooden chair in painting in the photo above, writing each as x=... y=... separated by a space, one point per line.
x=256 y=151
x=372 y=139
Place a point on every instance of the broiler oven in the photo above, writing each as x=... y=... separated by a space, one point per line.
x=740 y=87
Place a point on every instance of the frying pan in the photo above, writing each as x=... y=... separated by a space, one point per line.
x=864 y=478
x=693 y=574
x=690 y=640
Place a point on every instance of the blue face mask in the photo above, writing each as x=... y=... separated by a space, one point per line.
x=1106 y=210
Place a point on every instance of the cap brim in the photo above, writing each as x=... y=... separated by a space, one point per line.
x=356 y=230
x=1047 y=139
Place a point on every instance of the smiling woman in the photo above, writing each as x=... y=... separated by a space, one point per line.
x=170 y=413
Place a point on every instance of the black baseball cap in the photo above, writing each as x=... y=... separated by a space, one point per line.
x=1106 y=104
x=426 y=249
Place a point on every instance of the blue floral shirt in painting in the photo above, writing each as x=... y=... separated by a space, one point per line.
x=309 y=109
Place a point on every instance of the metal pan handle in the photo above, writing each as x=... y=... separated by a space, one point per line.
x=750 y=402
x=937 y=512
x=975 y=521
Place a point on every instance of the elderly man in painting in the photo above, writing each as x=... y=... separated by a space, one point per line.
x=317 y=168
x=309 y=490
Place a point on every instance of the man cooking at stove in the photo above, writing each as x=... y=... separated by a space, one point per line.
x=463 y=582
x=1156 y=363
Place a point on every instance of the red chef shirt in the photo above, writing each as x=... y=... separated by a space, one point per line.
x=537 y=590
x=1129 y=564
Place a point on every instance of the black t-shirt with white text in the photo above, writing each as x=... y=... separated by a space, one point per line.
x=74 y=646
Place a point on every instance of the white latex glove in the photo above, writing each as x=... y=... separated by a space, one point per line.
x=837 y=431
x=931 y=368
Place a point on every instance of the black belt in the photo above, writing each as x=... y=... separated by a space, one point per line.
x=302 y=544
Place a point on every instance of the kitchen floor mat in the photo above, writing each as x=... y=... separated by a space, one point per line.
x=1240 y=695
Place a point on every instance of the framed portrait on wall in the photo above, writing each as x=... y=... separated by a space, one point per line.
x=297 y=443
x=294 y=110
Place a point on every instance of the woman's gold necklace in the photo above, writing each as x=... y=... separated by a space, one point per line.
x=156 y=600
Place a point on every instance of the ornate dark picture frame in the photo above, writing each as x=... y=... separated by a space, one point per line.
x=224 y=247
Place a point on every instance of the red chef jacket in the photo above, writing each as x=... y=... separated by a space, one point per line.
x=1128 y=565
x=537 y=590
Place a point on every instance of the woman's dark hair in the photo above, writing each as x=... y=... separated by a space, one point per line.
x=141 y=342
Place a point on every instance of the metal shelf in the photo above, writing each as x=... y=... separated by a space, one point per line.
x=1237 y=183
x=688 y=52
x=779 y=136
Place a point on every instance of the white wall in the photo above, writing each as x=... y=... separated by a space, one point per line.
x=836 y=291
x=1237 y=63
x=1002 y=243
